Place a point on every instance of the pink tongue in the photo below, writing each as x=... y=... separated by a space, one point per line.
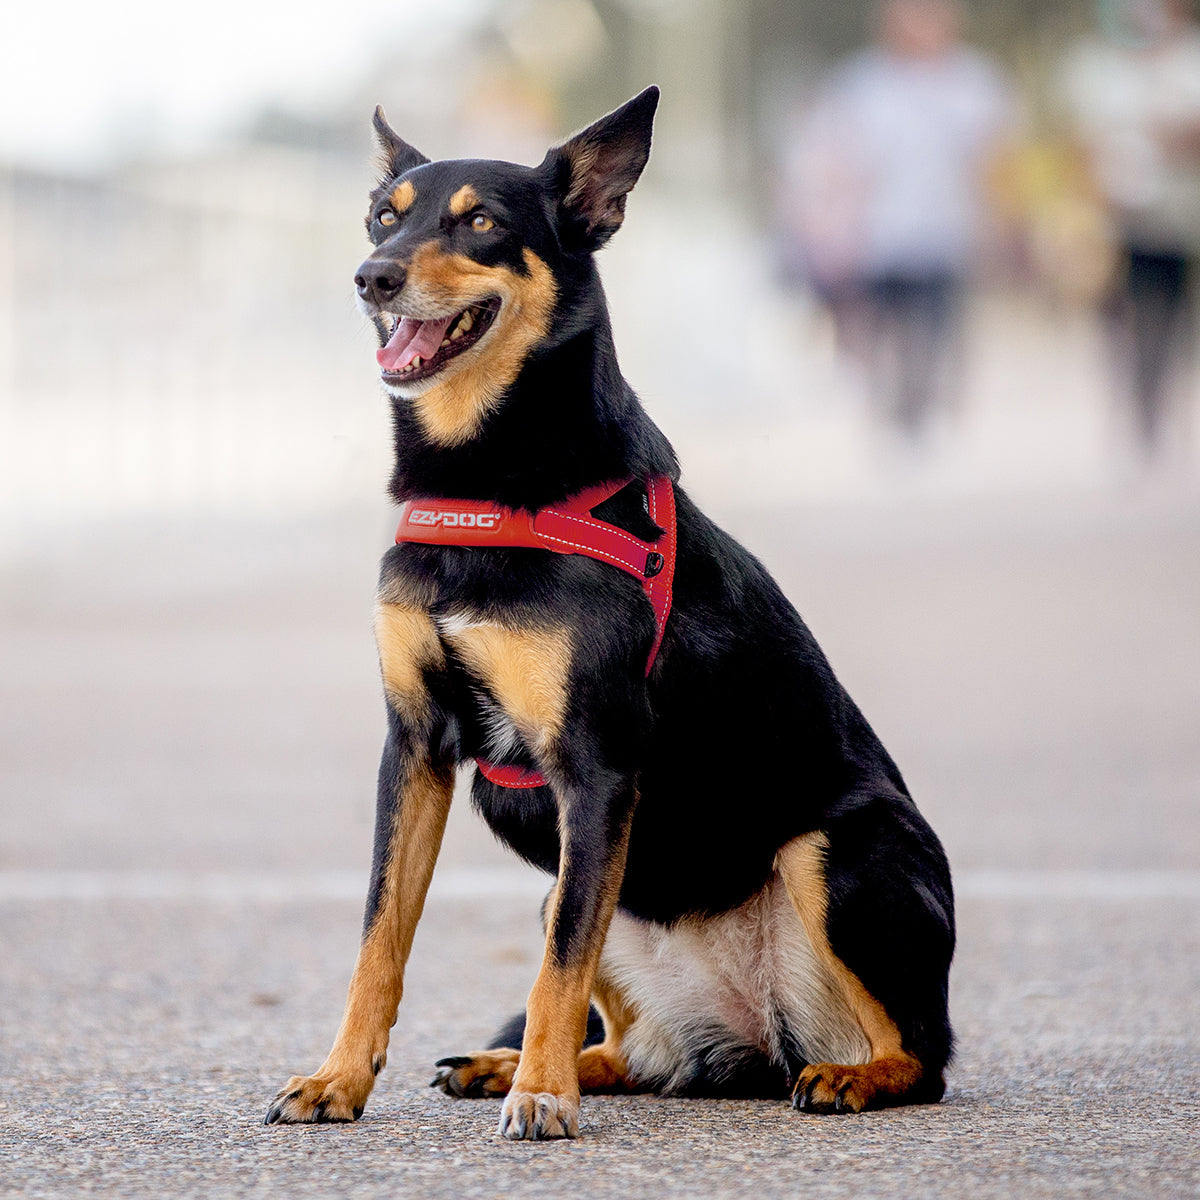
x=410 y=339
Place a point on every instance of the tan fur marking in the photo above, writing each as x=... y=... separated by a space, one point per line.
x=378 y=981
x=603 y=1068
x=345 y=1079
x=488 y=1073
x=556 y=1020
x=465 y=199
x=802 y=864
x=408 y=643
x=881 y=1083
x=892 y=1071
x=526 y=670
x=402 y=197
x=556 y=1013
x=551 y=1063
x=469 y=388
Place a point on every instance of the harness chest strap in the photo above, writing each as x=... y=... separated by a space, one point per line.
x=566 y=528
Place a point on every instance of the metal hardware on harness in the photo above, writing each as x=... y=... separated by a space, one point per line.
x=566 y=528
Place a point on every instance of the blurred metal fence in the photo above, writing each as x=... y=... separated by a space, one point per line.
x=184 y=336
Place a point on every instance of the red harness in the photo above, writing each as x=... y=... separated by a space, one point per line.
x=566 y=528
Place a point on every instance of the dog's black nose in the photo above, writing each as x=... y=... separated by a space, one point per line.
x=380 y=282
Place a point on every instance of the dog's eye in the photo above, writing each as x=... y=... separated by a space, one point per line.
x=481 y=223
x=387 y=217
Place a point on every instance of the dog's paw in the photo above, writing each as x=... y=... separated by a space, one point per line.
x=826 y=1088
x=319 y=1100
x=886 y=1081
x=472 y=1076
x=539 y=1115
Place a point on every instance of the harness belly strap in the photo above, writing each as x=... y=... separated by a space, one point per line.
x=566 y=528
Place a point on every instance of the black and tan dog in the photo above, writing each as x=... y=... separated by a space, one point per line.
x=744 y=888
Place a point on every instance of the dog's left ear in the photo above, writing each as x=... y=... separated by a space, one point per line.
x=595 y=170
x=396 y=155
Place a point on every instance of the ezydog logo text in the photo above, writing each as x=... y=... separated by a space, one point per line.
x=453 y=520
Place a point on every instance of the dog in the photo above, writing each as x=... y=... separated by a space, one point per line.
x=744 y=890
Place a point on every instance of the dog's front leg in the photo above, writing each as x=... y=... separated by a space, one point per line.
x=414 y=801
x=544 y=1100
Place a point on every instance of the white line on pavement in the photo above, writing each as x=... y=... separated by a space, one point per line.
x=253 y=886
x=1069 y=884
x=470 y=883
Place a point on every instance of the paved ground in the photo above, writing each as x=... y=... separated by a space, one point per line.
x=190 y=721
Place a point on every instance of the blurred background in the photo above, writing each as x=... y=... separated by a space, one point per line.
x=908 y=285
x=945 y=242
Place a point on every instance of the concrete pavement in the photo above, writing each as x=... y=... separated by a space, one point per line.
x=190 y=723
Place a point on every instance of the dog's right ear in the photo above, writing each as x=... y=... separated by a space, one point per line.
x=395 y=155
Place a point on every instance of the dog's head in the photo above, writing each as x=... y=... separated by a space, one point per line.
x=476 y=261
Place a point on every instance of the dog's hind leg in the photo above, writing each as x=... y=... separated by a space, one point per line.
x=603 y=1067
x=873 y=893
x=482 y=1075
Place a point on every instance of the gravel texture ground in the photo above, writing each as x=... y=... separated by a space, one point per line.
x=190 y=722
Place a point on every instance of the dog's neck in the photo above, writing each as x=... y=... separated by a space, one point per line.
x=569 y=421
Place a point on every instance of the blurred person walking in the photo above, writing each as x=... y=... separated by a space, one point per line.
x=884 y=198
x=1133 y=92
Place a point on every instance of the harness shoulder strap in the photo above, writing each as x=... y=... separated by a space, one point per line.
x=566 y=528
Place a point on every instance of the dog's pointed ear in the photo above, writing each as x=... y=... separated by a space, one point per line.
x=594 y=171
x=395 y=155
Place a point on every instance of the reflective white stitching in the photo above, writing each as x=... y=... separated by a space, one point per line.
x=588 y=551
x=667 y=590
x=607 y=527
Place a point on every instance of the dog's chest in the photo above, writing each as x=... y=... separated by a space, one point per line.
x=517 y=679
x=511 y=678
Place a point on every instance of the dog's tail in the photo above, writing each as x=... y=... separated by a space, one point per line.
x=511 y=1034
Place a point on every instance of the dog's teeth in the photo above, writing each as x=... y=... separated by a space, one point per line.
x=466 y=322
x=455 y=334
x=416 y=362
x=445 y=342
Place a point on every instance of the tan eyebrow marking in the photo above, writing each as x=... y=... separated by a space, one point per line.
x=465 y=199
x=402 y=197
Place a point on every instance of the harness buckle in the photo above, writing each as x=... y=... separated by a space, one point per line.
x=654 y=563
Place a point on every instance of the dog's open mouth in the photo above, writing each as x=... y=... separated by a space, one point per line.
x=418 y=349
